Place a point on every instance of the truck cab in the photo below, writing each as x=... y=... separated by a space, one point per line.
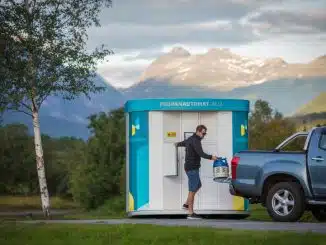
x=287 y=180
x=316 y=156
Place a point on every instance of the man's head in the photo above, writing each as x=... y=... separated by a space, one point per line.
x=201 y=131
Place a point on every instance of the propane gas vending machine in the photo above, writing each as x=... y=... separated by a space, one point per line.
x=156 y=181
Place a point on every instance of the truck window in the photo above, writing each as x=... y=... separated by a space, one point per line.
x=322 y=142
x=296 y=144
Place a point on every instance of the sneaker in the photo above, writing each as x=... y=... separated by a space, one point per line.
x=185 y=206
x=193 y=216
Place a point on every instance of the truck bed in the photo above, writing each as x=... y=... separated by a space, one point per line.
x=255 y=166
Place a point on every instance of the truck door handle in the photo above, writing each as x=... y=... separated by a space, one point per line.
x=317 y=158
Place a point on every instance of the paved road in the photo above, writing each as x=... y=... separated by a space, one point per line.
x=244 y=225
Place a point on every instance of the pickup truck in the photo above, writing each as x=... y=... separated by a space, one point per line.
x=287 y=182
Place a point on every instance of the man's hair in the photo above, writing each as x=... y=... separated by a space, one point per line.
x=200 y=128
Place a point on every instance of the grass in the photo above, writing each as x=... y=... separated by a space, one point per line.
x=12 y=233
x=259 y=213
x=113 y=208
x=317 y=105
x=64 y=234
x=16 y=203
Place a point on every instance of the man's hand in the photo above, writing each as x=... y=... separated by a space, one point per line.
x=214 y=157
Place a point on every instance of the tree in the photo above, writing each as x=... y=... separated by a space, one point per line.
x=98 y=179
x=45 y=55
x=278 y=115
x=267 y=128
x=262 y=112
x=16 y=160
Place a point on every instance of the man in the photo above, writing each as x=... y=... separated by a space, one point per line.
x=194 y=153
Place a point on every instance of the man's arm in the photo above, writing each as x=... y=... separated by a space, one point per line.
x=180 y=144
x=198 y=148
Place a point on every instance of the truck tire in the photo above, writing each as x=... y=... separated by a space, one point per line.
x=285 y=202
x=319 y=214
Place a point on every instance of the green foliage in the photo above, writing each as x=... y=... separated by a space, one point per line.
x=18 y=174
x=64 y=155
x=262 y=113
x=308 y=121
x=91 y=172
x=45 y=51
x=113 y=207
x=16 y=161
x=267 y=129
x=46 y=55
x=98 y=178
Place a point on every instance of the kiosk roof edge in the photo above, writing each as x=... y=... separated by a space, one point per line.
x=186 y=104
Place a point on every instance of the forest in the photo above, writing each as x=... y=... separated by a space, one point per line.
x=92 y=172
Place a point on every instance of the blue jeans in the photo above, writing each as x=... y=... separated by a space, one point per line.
x=194 y=182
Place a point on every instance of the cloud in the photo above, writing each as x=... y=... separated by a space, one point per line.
x=140 y=31
x=138 y=36
x=304 y=50
x=163 y=12
x=145 y=55
x=139 y=24
x=289 y=19
x=124 y=69
x=151 y=23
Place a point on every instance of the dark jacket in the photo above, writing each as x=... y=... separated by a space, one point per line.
x=194 y=152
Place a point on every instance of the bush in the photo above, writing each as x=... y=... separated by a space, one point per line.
x=99 y=179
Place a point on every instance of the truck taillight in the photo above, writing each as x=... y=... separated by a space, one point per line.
x=234 y=165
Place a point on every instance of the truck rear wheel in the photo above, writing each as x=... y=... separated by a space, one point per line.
x=285 y=202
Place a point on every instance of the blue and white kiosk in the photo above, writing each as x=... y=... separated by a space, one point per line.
x=156 y=181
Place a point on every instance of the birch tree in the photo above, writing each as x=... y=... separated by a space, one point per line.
x=44 y=53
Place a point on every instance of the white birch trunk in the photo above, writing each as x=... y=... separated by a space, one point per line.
x=40 y=164
x=38 y=147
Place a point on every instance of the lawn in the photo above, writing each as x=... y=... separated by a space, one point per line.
x=259 y=213
x=25 y=205
x=16 y=203
x=64 y=234
x=111 y=209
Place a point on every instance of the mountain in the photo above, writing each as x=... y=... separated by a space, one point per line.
x=319 y=62
x=69 y=118
x=178 y=74
x=222 y=70
x=316 y=105
x=223 y=74
x=286 y=95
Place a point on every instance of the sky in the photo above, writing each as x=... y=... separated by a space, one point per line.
x=139 y=31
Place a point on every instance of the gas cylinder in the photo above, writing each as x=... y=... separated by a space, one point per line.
x=220 y=169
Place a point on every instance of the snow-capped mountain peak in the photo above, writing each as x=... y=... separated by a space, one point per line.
x=221 y=69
